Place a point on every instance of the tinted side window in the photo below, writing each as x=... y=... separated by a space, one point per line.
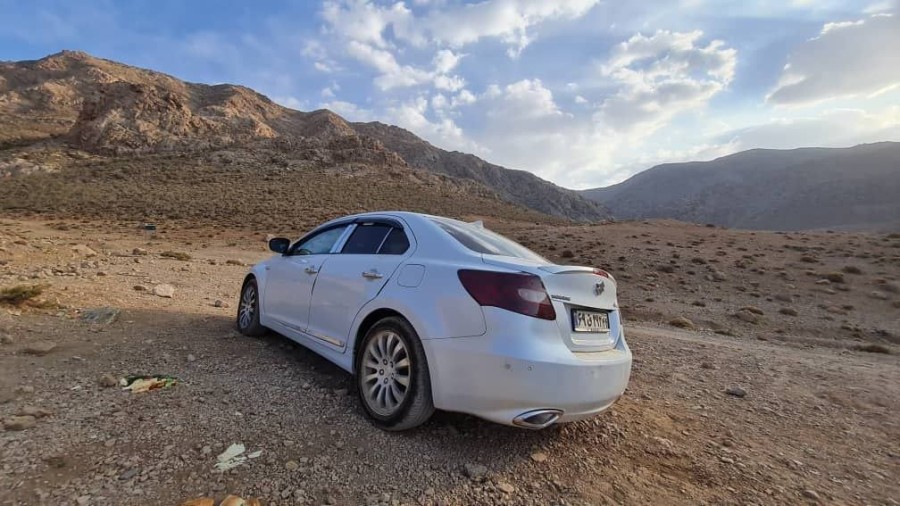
x=320 y=243
x=366 y=239
x=395 y=244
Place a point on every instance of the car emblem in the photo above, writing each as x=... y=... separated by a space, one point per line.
x=598 y=288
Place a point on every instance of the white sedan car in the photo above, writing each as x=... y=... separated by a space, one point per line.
x=430 y=312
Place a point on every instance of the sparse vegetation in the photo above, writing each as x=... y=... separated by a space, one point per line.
x=20 y=294
x=177 y=255
x=874 y=348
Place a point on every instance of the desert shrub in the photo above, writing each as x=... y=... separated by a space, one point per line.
x=874 y=348
x=20 y=294
x=177 y=255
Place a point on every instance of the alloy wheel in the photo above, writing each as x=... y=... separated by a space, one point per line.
x=248 y=306
x=386 y=372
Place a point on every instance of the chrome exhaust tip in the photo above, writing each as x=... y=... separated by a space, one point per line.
x=537 y=419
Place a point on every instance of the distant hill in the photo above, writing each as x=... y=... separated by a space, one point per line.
x=516 y=186
x=809 y=188
x=72 y=100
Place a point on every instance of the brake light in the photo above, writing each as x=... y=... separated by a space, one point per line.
x=601 y=272
x=518 y=292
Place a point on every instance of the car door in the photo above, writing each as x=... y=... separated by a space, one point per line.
x=350 y=279
x=291 y=277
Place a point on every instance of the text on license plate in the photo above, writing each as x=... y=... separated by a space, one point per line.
x=590 y=321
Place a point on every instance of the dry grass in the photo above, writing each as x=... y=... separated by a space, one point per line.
x=874 y=348
x=177 y=255
x=197 y=189
x=20 y=294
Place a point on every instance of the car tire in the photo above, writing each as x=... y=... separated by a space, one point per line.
x=387 y=412
x=247 y=320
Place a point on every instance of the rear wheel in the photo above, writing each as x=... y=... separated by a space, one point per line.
x=392 y=376
x=248 y=310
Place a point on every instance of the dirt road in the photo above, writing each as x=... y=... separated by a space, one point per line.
x=815 y=424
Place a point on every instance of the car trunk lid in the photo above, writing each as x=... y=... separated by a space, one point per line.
x=578 y=294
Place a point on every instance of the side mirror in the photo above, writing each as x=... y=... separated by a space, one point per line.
x=279 y=245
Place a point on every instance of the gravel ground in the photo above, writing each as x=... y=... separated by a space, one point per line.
x=708 y=418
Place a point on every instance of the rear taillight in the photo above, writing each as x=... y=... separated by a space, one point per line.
x=601 y=272
x=517 y=292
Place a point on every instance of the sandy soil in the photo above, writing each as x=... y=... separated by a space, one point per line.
x=818 y=422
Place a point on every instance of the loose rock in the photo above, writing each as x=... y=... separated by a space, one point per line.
x=747 y=316
x=40 y=348
x=108 y=381
x=736 y=392
x=506 y=488
x=539 y=457
x=474 y=471
x=164 y=290
x=83 y=250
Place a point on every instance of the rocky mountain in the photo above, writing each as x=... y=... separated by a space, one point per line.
x=517 y=186
x=808 y=188
x=73 y=100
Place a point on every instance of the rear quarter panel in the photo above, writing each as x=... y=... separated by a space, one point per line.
x=438 y=308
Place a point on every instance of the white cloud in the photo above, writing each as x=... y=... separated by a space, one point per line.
x=413 y=115
x=439 y=102
x=291 y=102
x=846 y=59
x=393 y=75
x=506 y=20
x=525 y=128
x=315 y=51
x=454 y=25
x=449 y=83
x=830 y=128
x=464 y=97
x=662 y=75
x=446 y=60
x=644 y=104
x=350 y=111
x=363 y=21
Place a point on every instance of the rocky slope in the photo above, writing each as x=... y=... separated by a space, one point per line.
x=516 y=186
x=850 y=188
x=72 y=100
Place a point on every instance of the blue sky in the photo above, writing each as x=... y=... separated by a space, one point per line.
x=581 y=92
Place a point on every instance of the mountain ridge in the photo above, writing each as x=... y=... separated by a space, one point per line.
x=106 y=107
x=795 y=189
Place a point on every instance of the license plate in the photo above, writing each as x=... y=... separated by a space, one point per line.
x=590 y=321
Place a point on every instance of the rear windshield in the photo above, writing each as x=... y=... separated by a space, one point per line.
x=481 y=240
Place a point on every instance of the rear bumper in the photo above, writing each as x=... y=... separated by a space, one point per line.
x=507 y=373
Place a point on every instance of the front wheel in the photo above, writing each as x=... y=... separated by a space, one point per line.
x=392 y=376
x=248 y=310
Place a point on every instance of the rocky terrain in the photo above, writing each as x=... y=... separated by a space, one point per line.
x=766 y=363
x=766 y=372
x=269 y=187
x=516 y=186
x=812 y=188
x=72 y=101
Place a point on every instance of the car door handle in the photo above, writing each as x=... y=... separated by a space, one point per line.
x=312 y=269
x=372 y=275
